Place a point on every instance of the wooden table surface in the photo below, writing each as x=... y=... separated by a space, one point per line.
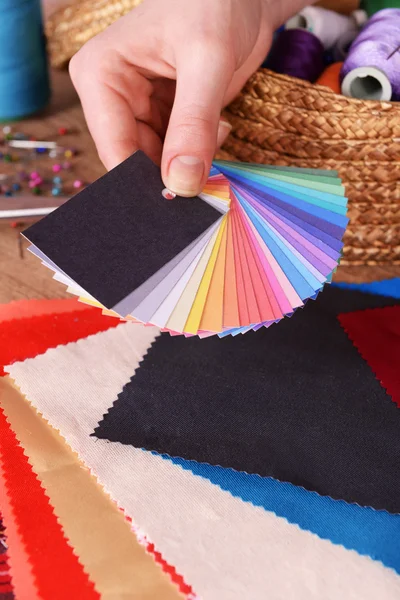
x=27 y=278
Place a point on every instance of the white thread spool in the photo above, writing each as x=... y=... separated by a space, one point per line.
x=360 y=17
x=342 y=46
x=367 y=83
x=326 y=24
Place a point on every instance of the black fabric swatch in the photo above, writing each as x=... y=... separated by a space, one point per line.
x=114 y=235
x=295 y=402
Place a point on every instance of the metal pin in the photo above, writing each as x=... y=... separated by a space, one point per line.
x=394 y=52
x=32 y=144
x=26 y=212
x=20 y=246
x=28 y=207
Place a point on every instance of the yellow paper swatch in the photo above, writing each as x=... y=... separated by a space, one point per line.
x=193 y=323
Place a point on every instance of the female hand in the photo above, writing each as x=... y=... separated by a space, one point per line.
x=158 y=78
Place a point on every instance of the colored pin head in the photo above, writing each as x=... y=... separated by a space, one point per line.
x=168 y=195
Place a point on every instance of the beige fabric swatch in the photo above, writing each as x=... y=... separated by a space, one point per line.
x=98 y=531
x=225 y=548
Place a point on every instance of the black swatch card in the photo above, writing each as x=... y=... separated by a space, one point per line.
x=114 y=235
x=295 y=402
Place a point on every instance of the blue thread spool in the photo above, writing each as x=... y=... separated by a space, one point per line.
x=24 y=79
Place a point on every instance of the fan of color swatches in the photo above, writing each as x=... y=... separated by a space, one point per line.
x=253 y=247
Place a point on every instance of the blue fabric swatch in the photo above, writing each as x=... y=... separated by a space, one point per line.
x=365 y=530
x=387 y=287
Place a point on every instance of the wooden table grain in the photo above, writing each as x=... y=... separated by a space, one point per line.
x=27 y=278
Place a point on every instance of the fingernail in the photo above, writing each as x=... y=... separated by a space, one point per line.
x=224 y=129
x=185 y=175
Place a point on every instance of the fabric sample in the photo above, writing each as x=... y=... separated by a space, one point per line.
x=376 y=335
x=386 y=287
x=295 y=402
x=35 y=343
x=96 y=529
x=6 y=588
x=20 y=568
x=226 y=548
x=370 y=532
x=20 y=309
x=23 y=338
x=104 y=236
x=34 y=337
x=56 y=568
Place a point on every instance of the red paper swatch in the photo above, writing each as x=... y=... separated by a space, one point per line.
x=57 y=571
x=376 y=335
x=26 y=338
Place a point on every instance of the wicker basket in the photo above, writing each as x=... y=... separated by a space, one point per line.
x=285 y=121
x=71 y=27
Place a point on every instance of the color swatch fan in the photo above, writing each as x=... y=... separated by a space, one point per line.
x=254 y=246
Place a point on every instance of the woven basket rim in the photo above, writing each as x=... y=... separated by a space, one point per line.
x=322 y=89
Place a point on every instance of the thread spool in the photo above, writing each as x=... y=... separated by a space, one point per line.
x=360 y=17
x=345 y=7
x=24 y=80
x=297 y=52
x=343 y=44
x=371 y=70
x=327 y=25
x=367 y=83
x=275 y=36
x=331 y=77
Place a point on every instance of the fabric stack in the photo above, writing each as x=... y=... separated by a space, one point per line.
x=139 y=465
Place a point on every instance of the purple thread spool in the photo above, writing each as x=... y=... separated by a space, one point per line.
x=371 y=70
x=298 y=53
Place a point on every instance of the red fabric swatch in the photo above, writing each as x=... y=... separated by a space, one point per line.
x=23 y=580
x=20 y=309
x=170 y=570
x=22 y=338
x=57 y=571
x=177 y=579
x=376 y=335
x=26 y=338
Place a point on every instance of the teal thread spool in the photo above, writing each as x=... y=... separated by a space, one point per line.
x=24 y=77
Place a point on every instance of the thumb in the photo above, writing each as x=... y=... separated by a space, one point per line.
x=195 y=127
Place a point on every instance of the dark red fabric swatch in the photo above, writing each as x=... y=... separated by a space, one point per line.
x=6 y=588
x=376 y=335
x=26 y=338
x=58 y=573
